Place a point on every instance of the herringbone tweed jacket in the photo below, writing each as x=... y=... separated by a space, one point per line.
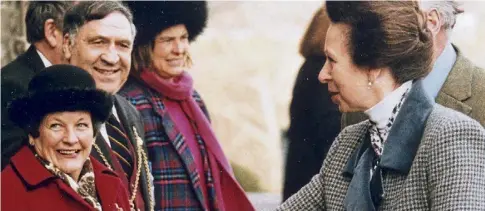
x=433 y=159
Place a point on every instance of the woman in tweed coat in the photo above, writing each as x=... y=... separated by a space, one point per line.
x=412 y=154
x=189 y=167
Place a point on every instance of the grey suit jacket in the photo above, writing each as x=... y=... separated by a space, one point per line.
x=433 y=159
x=463 y=91
x=129 y=117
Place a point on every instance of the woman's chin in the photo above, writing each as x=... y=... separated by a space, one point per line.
x=171 y=72
x=347 y=109
x=176 y=71
x=71 y=167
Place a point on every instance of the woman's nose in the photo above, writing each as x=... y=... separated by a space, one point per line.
x=179 y=47
x=71 y=137
x=324 y=75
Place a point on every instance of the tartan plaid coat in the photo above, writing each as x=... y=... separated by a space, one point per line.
x=171 y=160
x=433 y=159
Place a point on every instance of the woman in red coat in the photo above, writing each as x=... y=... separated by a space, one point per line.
x=62 y=113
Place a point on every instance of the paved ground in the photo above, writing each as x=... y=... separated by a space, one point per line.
x=265 y=201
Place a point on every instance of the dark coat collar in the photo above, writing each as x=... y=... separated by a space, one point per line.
x=124 y=118
x=32 y=59
x=130 y=119
x=358 y=195
x=399 y=150
x=405 y=135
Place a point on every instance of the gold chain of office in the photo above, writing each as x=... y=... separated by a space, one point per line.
x=142 y=160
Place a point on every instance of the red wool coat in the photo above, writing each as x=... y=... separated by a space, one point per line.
x=28 y=185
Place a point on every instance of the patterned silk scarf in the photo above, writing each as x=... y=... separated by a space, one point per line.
x=85 y=187
x=378 y=136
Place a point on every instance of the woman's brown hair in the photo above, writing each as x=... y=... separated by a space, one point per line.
x=386 y=34
x=142 y=58
x=313 y=41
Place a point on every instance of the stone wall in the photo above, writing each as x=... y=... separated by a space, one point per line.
x=13 y=33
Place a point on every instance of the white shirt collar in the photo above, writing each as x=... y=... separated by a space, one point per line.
x=382 y=111
x=46 y=62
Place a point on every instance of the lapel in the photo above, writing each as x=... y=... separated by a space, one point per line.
x=33 y=60
x=127 y=125
x=69 y=191
x=405 y=135
x=110 y=157
x=178 y=141
x=29 y=168
x=36 y=175
x=129 y=119
x=458 y=85
x=101 y=143
x=399 y=150
x=125 y=121
x=364 y=143
x=107 y=182
x=358 y=194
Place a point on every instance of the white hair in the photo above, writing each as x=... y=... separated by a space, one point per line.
x=446 y=9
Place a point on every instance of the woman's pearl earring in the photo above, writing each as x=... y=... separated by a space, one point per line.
x=369 y=85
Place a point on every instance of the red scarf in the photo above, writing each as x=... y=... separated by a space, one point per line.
x=180 y=88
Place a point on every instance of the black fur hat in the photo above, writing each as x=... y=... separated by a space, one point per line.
x=152 y=17
x=60 y=88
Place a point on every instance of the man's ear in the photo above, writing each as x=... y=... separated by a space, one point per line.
x=66 y=47
x=433 y=21
x=51 y=33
